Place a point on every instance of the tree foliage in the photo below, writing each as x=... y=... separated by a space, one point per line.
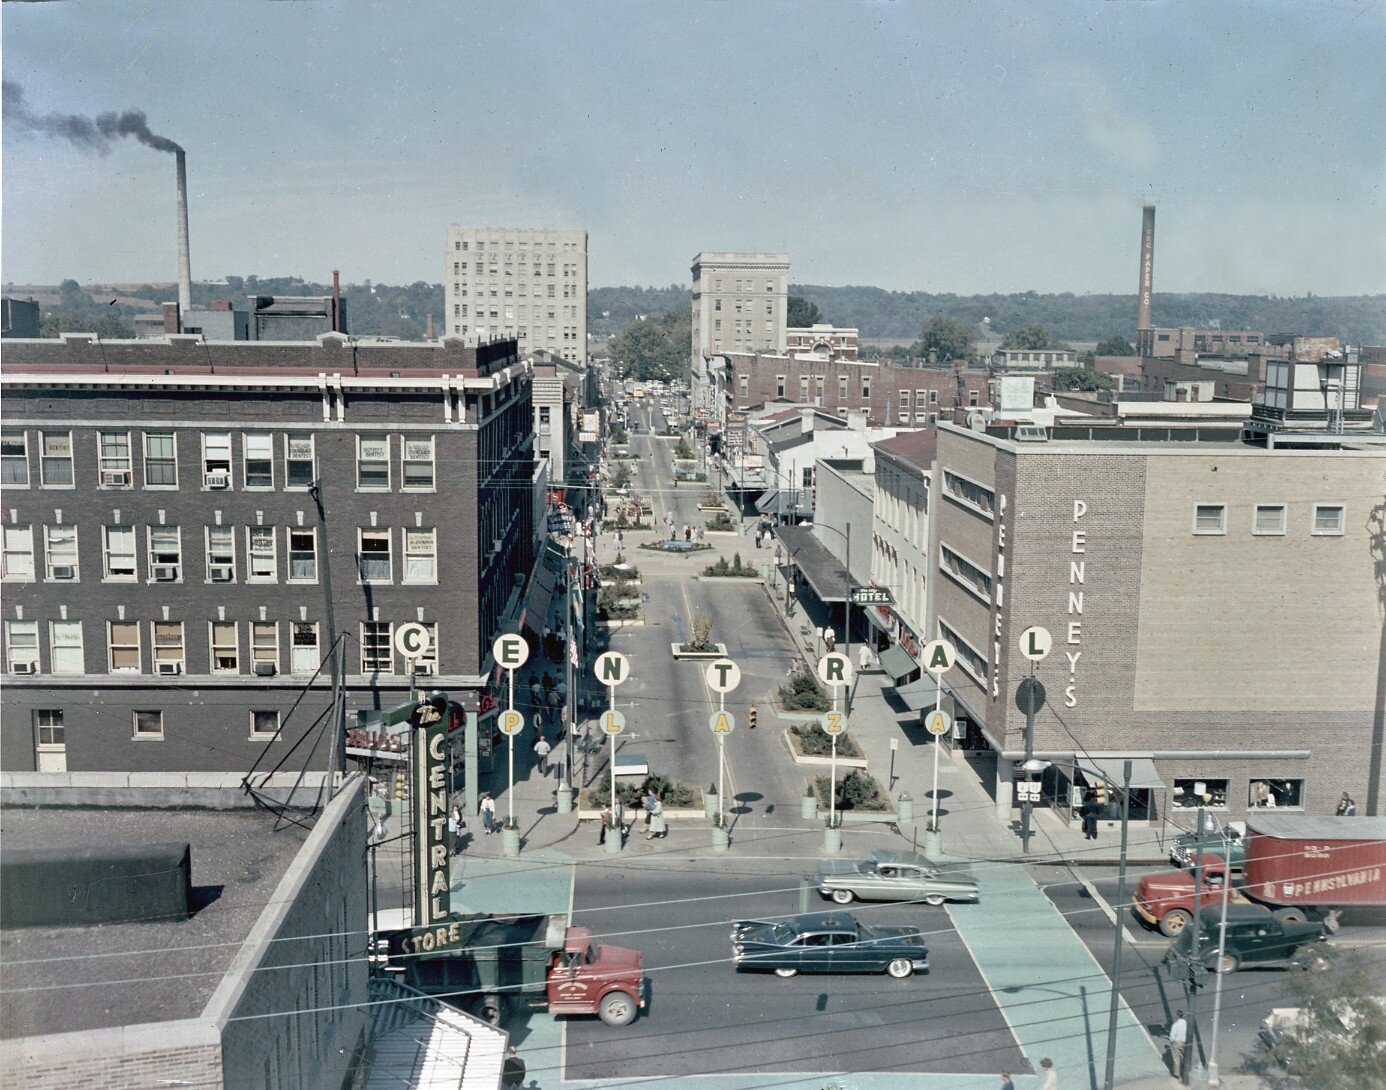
x=1082 y=378
x=944 y=339
x=654 y=348
x=1031 y=337
x=1115 y=345
x=1339 y=1040
x=802 y=313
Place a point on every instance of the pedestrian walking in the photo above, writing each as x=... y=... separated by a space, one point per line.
x=659 y=825
x=541 y=754
x=864 y=658
x=1090 y=810
x=512 y=1069
x=555 y=698
x=1051 y=1077
x=757 y=537
x=488 y=813
x=1006 y=1083
x=687 y=532
x=700 y=533
x=620 y=540
x=455 y=826
x=830 y=639
x=1346 y=807
x=1178 y=1038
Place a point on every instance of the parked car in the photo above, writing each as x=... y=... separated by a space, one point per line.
x=827 y=942
x=1255 y=938
x=894 y=876
x=1229 y=841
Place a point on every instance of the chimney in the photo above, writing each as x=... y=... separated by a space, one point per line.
x=336 y=301
x=1147 y=289
x=173 y=318
x=184 y=258
x=428 y=326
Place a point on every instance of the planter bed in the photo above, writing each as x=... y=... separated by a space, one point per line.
x=681 y=814
x=856 y=814
x=629 y=622
x=730 y=579
x=719 y=653
x=679 y=548
x=826 y=761
x=712 y=510
x=797 y=715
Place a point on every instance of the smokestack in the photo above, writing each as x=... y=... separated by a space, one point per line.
x=184 y=257
x=336 y=301
x=428 y=326
x=1147 y=290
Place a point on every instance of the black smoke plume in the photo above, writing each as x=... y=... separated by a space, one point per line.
x=88 y=133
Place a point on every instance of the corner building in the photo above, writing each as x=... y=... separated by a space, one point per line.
x=1215 y=609
x=174 y=511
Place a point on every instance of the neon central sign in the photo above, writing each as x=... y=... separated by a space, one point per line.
x=428 y=768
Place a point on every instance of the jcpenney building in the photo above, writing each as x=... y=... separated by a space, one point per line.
x=1215 y=606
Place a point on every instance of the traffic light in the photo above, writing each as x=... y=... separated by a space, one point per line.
x=401 y=788
x=751 y=718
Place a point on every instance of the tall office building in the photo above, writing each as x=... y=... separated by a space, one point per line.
x=529 y=283
x=739 y=303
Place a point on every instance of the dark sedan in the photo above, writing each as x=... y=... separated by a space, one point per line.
x=827 y=942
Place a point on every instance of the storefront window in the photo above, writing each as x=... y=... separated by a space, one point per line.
x=1191 y=794
x=1276 y=794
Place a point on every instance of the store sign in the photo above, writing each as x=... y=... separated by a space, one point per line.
x=999 y=593
x=1077 y=578
x=428 y=768
x=368 y=743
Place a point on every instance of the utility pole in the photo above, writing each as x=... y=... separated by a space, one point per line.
x=1121 y=915
x=1195 y=959
x=1026 y=804
x=847 y=619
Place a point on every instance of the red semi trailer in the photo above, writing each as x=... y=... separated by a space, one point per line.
x=1311 y=868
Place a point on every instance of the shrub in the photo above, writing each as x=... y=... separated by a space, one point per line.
x=683 y=450
x=720 y=521
x=855 y=791
x=620 y=477
x=670 y=792
x=735 y=568
x=816 y=742
x=610 y=571
x=701 y=637
x=711 y=499
x=620 y=435
x=803 y=693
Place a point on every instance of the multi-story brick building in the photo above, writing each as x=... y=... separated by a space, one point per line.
x=886 y=394
x=188 y=525
x=839 y=342
x=529 y=283
x=1215 y=608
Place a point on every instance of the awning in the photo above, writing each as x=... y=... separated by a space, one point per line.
x=537 y=606
x=897 y=662
x=917 y=694
x=769 y=502
x=1106 y=766
x=822 y=570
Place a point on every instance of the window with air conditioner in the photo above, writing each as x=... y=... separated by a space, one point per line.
x=22 y=647
x=373 y=556
x=65 y=647
x=221 y=554
x=225 y=648
x=168 y=647
x=373 y=463
x=55 y=461
x=258 y=459
x=149 y=726
x=165 y=554
x=264 y=647
x=418 y=464
x=123 y=647
x=113 y=458
x=420 y=556
x=262 y=546
x=304 y=654
x=377 y=655
x=14 y=460
x=60 y=553
x=160 y=460
x=299 y=465
x=17 y=562
x=303 y=556
x=216 y=460
x=118 y=554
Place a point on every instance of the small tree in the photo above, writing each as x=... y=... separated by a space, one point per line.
x=1030 y=336
x=1081 y=378
x=944 y=339
x=683 y=450
x=1339 y=1041
x=700 y=639
x=1115 y=345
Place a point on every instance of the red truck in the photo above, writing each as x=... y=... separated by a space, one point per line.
x=1303 y=868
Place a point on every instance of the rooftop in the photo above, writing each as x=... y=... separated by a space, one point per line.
x=918 y=447
x=64 y=979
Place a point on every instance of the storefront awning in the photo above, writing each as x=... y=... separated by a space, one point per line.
x=769 y=502
x=897 y=662
x=821 y=569
x=1105 y=766
x=917 y=694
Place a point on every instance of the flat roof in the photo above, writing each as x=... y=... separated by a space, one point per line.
x=62 y=979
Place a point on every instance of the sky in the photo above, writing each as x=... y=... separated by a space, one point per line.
x=916 y=146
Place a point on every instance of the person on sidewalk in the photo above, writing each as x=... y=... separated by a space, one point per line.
x=1178 y=1038
x=455 y=826
x=1051 y=1077
x=541 y=754
x=1090 y=809
x=864 y=658
x=830 y=639
x=1006 y=1083
x=659 y=825
x=488 y=813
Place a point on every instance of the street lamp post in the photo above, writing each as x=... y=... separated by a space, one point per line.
x=1120 y=907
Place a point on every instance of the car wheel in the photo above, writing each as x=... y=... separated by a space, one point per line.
x=1174 y=922
x=900 y=968
x=842 y=896
x=934 y=899
x=1228 y=963
x=617 y=1009
x=786 y=973
x=1292 y=915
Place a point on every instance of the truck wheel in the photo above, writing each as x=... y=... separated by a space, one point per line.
x=1292 y=915
x=900 y=968
x=786 y=973
x=1174 y=922
x=618 y=1009
x=491 y=1009
x=842 y=896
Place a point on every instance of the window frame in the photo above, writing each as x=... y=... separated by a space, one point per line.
x=316 y=628
x=251 y=575
x=375 y=533
x=1210 y=782
x=213 y=647
x=110 y=463
x=361 y=440
x=1341 y=528
x=431 y=555
x=207 y=459
x=154 y=563
x=50 y=746
x=289 y=462
x=45 y=458
x=79 y=646
x=264 y=443
x=1221 y=531
x=49 y=553
x=1256 y=510
x=152 y=461
x=112 y=647
x=156 y=649
x=19 y=532
x=11 y=657
x=137 y=735
x=372 y=640
x=312 y=531
x=1253 y=805
x=407 y=462
x=22 y=458
x=257 y=648
x=106 y=553
x=257 y=735
x=220 y=559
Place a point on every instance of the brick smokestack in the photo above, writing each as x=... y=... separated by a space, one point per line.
x=184 y=257
x=1147 y=291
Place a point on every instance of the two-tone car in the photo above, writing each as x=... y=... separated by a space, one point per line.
x=1229 y=841
x=894 y=876
x=827 y=942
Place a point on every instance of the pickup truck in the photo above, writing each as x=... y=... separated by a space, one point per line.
x=1255 y=937
x=1229 y=841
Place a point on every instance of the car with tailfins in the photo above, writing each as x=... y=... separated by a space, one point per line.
x=827 y=942
x=894 y=876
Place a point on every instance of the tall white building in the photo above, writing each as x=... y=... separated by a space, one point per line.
x=529 y=283
x=740 y=304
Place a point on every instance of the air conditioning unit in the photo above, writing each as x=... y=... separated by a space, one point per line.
x=217 y=480
x=169 y=667
x=221 y=574
x=422 y=669
x=165 y=573
x=64 y=571
x=25 y=667
x=115 y=478
x=264 y=669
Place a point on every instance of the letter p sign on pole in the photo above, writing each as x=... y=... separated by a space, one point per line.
x=511 y=650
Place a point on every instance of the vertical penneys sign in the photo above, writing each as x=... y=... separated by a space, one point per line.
x=1077 y=579
x=428 y=762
